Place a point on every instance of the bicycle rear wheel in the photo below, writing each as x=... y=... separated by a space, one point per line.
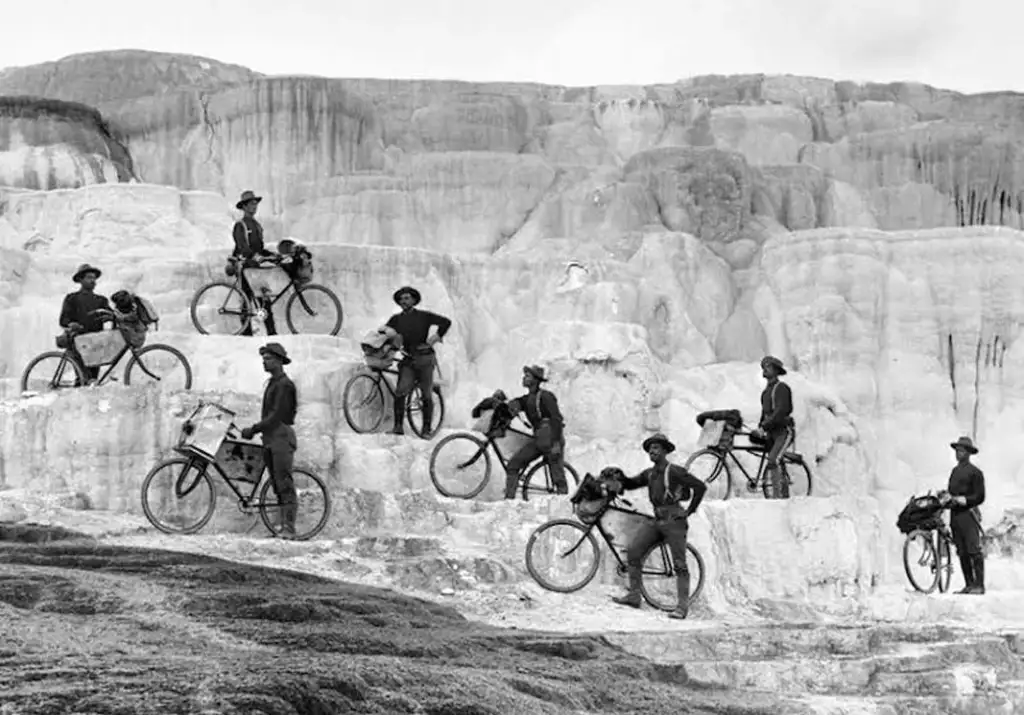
x=414 y=413
x=710 y=467
x=658 y=574
x=313 y=506
x=538 y=479
x=313 y=309
x=363 y=402
x=178 y=496
x=460 y=466
x=161 y=365
x=52 y=371
x=796 y=479
x=945 y=563
x=562 y=556
x=920 y=561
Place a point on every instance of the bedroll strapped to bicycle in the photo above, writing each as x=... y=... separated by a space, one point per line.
x=592 y=497
x=729 y=421
x=920 y=514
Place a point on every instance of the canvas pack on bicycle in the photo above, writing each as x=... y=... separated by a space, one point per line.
x=920 y=514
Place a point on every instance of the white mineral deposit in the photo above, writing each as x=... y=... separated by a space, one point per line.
x=647 y=246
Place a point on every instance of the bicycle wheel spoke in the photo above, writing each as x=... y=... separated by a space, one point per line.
x=459 y=466
x=562 y=557
x=364 y=403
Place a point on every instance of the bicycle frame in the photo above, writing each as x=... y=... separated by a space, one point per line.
x=752 y=482
x=627 y=508
x=101 y=378
x=245 y=502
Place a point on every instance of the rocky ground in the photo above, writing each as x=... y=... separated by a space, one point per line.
x=122 y=621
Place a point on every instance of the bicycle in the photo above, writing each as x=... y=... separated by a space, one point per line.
x=658 y=578
x=935 y=541
x=236 y=461
x=479 y=449
x=713 y=460
x=148 y=360
x=238 y=310
x=364 y=394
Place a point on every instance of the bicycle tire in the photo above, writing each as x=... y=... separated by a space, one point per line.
x=80 y=378
x=538 y=466
x=245 y=320
x=438 y=413
x=665 y=556
x=714 y=475
x=202 y=478
x=375 y=392
x=312 y=288
x=317 y=528
x=926 y=537
x=482 y=451
x=586 y=536
x=154 y=348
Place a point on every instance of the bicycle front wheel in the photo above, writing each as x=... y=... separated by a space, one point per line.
x=710 y=467
x=460 y=466
x=52 y=371
x=920 y=561
x=363 y=403
x=161 y=365
x=538 y=479
x=220 y=308
x=945 y=563
x=414 y=413
x=178 y=496
x=312 y=506
x=313 y=309
x=658 y=574
x=562 y=556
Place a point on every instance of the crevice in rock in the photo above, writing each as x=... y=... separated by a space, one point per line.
x=952 y=366
x=972 y=207
x=507 y=237
x=977 y=390
x=211 y=133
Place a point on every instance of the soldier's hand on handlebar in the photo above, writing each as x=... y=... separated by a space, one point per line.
x=247 y=433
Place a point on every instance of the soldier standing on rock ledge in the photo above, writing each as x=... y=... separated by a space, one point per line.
x=668 y=486
x=76 y=313
x=966 y=492
x=775 y=429
x=544 y=416
x=280 y=403
x=417 y=368
x=248 y=235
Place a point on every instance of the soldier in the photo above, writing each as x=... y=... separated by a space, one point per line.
x=668 y=485
x=775 y=428
x=966 y=492
x=417 y=368
x=249 y=246
x=541 y=408
x=76 y=313
x=280 y=404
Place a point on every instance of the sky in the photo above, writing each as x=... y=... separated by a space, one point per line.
x=966 y=45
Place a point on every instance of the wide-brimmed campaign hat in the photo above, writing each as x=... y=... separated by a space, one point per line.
x=965 y=443
x=536 y=371
x=661 y=439
x=277 y=350
x=774 y=362
x=247 y=196
x=407 y=290
x=83 y=269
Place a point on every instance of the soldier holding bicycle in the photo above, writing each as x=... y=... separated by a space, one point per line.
x=965 y=493
x=668 y=486
x=416 y=341
x=84 y=311
x=250 y=249
x=775 y=429
x=541 y=408
x=280 y=404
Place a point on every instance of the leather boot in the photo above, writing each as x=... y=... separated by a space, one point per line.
x=632 y=596
x=511 y=482
x=399 y=416
x=428 y=418
x=288 y=514
x=978 y=582
x=967 y=569
x=683 y=596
